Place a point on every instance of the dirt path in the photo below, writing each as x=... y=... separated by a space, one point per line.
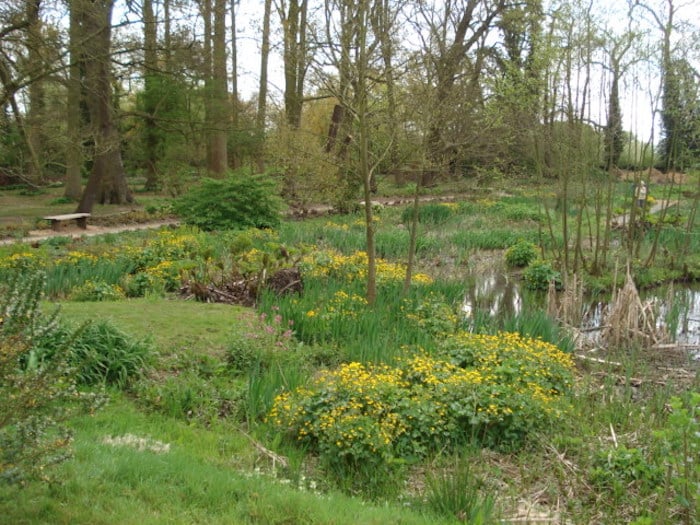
x=75 y=233
x=624 y=219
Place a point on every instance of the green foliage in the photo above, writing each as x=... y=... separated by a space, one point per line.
x=616 y=470
x=521 y=254
x=679 y=440
x=431 y=213
x=495 y=389
x=456 y=493
x=97 y=291
x=241 y=200
x=104 y=354
x=36 y=397
x=432 y=314
x=539 y=274
x=193 y=395
x=517 y=211
x=262 y=345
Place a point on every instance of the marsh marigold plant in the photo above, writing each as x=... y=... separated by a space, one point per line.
x=493 y=388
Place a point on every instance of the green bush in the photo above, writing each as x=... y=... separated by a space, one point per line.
x=267 y=340
x=241 y=200
x=97 y=291
x=496 y=389
x=521 y=254
x=539 y=274
x=679 y=443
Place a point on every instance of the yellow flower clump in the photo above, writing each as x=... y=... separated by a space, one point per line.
x=330 y=263
x=361 y=412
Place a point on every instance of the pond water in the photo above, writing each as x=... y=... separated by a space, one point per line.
x=492 y=291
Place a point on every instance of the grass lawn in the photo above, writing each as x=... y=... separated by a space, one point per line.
x=172 y=325
x=197 y=480
x=120 y=473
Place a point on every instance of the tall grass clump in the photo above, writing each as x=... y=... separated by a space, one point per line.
x=76 y=268
x=431 y=213
x=457 y=493
x=105 y=355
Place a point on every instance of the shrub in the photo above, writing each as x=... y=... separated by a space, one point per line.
x=97 y=291
x=241 y=200
x=36 y=396
x=679 y=443
x=262 y=345
x=539 y=274
x=521 y=254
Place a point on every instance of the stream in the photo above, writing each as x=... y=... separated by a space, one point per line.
x=494 y=292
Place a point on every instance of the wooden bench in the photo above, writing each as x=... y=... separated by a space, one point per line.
x=58 y=222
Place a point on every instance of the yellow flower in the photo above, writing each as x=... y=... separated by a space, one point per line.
x=310 y=313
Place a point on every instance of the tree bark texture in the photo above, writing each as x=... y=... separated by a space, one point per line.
x=107 y=181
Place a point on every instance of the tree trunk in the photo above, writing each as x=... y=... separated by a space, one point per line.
x=107 y=182
x=294 y=29
x=150 y=66
x=35 y=115
x=261 y=115
x=74 y=157
x=235 y=155
x=218 y=114
x=264 y=56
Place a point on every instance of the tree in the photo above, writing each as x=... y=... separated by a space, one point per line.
x=455 y=51
x=150 y=78
x=293 y=18
x=216 y=97
x=677 y=87
x=74 y=122
x=35 y=115
x=357 y=59
x=107 y=181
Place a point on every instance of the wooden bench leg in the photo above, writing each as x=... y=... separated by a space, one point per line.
x=82 y=222
x=56 y=225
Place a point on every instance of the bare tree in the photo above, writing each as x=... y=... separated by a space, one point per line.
x=454 y=45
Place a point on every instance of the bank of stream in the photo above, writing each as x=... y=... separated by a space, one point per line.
x=493 y=291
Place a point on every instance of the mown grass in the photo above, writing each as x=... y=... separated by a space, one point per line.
x=173 y=325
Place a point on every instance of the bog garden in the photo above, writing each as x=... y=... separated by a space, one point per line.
x=239 y=368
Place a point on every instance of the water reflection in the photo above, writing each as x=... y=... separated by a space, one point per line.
x=492 y=291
